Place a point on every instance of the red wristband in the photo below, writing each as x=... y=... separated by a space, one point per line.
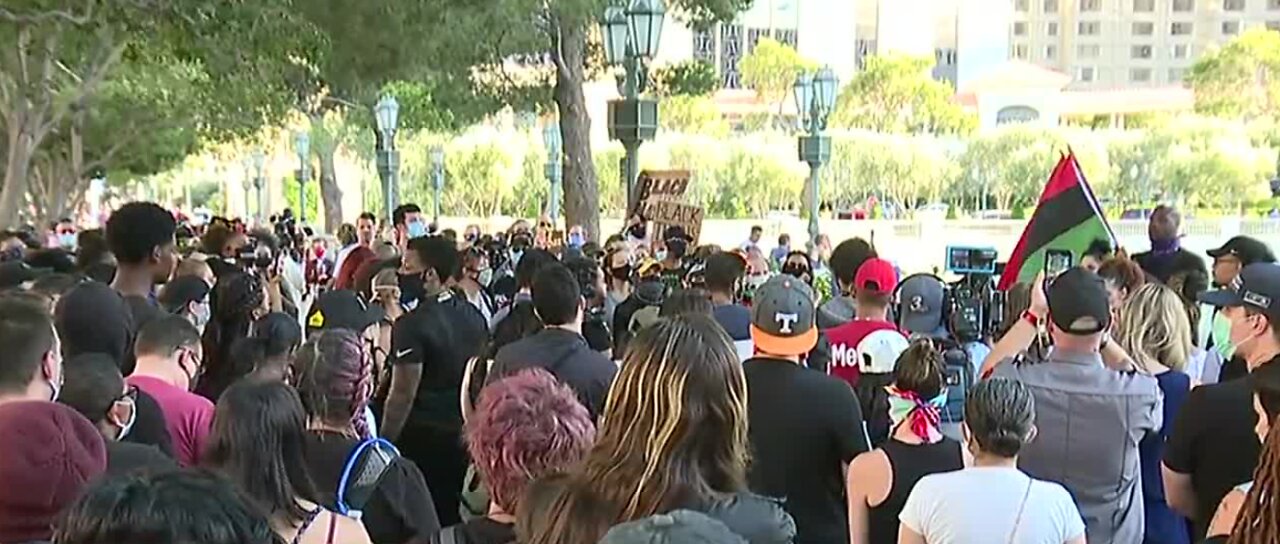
x=1030 y=318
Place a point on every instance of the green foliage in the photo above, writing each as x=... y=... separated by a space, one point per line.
x=692 y=115
x=895 y=93
x=688 y=78
x=771 y=69
x=1241 y=79
x=289 y=186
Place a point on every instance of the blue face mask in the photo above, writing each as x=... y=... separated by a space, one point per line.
x=416 y=229
x=67 y=240
x=575 y=240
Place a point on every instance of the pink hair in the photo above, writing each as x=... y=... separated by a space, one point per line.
x=526 y=426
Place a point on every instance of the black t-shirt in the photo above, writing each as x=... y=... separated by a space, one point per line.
x=565 y=355
x=127 y=457
x=805 y=426
x=479 y=531
x=596 y=331
x=1213 y=441
x=442 y=333
x=400 y=507
x=149 y=426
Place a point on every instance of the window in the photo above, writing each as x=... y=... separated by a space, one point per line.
x=1180 y=29
x=1090 y=5
x=1020 y=28
x=1140 y=52
x=1088 y=28
x=1020 y=51
x=1232 y=5
x=1050 y=52
x=1180 y=51
x=1088 y=51
x=1177 y=74
x=1050 y=6
x=1022 y=5
x=1051 y=29
x=1184 y=5
x=1144 y=6
x=1139 y=75
x=1230 y=28
x=1085 y=74
x=1144 y=28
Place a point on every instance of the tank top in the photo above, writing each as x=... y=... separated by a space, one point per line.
x=910 y=463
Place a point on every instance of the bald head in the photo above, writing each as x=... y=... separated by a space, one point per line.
x=1164 y=225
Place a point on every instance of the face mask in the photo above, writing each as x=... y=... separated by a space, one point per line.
x=416 y=229
x=67 y=240
x=200 y=315
x=55 y=387
x=622 y=273
x=660 y=255
x=128 y=425
x=677 y=248
x=516 y=254
x=411 y=288
x=797 y=271
x=1221 y=334
x=575 y=240
x=756 y=280
x=485 y=277
x=636 y=231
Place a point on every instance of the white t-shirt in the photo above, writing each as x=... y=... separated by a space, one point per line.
x=981 y=505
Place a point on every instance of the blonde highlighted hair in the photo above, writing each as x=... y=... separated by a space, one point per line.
x=1153 y=328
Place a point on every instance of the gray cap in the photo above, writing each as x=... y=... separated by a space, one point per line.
x=922 y=297
x=678 y=527
x=782 y=317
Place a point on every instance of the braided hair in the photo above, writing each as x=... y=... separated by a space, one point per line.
x=335 y=378
x=1259 y=519
x=234 y=300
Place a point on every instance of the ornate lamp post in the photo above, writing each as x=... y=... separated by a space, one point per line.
x=387 y=115
x=551 y=139
x=302 y=145
x=437 y=180
x=259 y=170
x=815 y=98
x=631 y=37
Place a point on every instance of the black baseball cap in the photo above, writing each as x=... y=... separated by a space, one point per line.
x=342 y=309
x=1257 y=286
x=1078 y=302
x=676 y=232
x=16 y=273
x=1248 y=250
x=181 y=291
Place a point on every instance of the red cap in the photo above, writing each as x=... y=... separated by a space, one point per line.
x=876 y=275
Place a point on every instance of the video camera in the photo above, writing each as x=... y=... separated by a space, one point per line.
x=976 y=305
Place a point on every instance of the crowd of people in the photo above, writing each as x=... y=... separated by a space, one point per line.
x=225 y=384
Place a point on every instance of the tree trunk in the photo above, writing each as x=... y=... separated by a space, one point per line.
x=20 y=151
x=581 y=189
x=330 y=193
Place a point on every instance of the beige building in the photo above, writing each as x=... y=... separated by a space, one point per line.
x=1129 y=43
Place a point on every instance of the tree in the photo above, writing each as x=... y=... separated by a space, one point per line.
x=688 y=78
x=692 y=115
x=771 y=69
x=1240 y=80
x=894 y=93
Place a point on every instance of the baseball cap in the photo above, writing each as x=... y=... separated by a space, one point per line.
x=342 y=309
x=676 y=232
x=51 y=454
x=1078 y=302
x=880 y=351
x=678 y=527
x=1258 y=286
x=15 y=273
x=782 y=317
x=876 y=275
x=1248 y=250
x=922 y=297
x=182 y=291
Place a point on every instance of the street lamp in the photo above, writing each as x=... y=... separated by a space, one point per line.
x=437 y=179
x=631 y=36
x=247 y=184
x=815 y=98
x=302 y=144
x=387 y=115
x=259 y=169
x=551 y=139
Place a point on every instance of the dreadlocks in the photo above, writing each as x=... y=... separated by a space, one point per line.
x=1259 y=519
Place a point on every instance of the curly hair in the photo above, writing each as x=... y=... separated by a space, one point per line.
x=526 y=426
x=1122 y=273
x=335 y=378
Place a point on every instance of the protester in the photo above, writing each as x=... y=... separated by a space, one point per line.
x=724 y=272
x=32 y=367
x=169 y=362
x=364 y=232
x=649 y=291
x=94 y=387
x=187 y=297
x=757 y=232
x=1168 y=261
x=526 y=426
x=531 y=262
x=142 y=238
x=1123 y=277
x=335 y=382
x=238 y=300
x=846 y=259
x=430 y=347
x=992 y=501
x=1153 y=329
x=1098 y=252
x=618 y=280
x=345 y=277
x=677 y=526
x=257 y=442
x=270 y=347
x=93 y=257
x=880 y=480
x=560 y=347
x=158 y=507
x=473 y=280
x=676 y=241
x=1233 y=256
x=798 y=265
x=1090 y=417
x=865 y=349
x=590 y=280
x=1246 y=513
x=675 y=436
x=51 y=453
x=199 y=268
x=1212 y=447
x=805 y=426
x=409 y=224
x=780 y=252
x=685 y=302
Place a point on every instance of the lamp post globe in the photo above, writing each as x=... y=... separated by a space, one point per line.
x=551 y=139
x=803 y=91
x=259 y=169
x=302 y=144
x=825 y=84
x=386 y=116
x=613 y=32
x=644 y=22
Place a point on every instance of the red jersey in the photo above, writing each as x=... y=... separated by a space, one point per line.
x=864 y=346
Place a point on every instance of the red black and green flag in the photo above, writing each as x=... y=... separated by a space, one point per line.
x=1067 y=217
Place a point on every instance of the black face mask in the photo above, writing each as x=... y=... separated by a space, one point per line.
x=622 y=273
x=677 y=248
x=636 y=231
x=798 y=271
x=411 y=288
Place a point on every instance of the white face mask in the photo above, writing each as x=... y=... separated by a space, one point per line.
x=128 y=425
x=486 y=277
x=660 y=255
x=200 y=315
x=55 y=384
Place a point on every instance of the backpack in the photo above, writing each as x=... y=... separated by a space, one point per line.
x=367 y=464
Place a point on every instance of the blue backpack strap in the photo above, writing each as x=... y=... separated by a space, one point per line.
x=343 y=507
